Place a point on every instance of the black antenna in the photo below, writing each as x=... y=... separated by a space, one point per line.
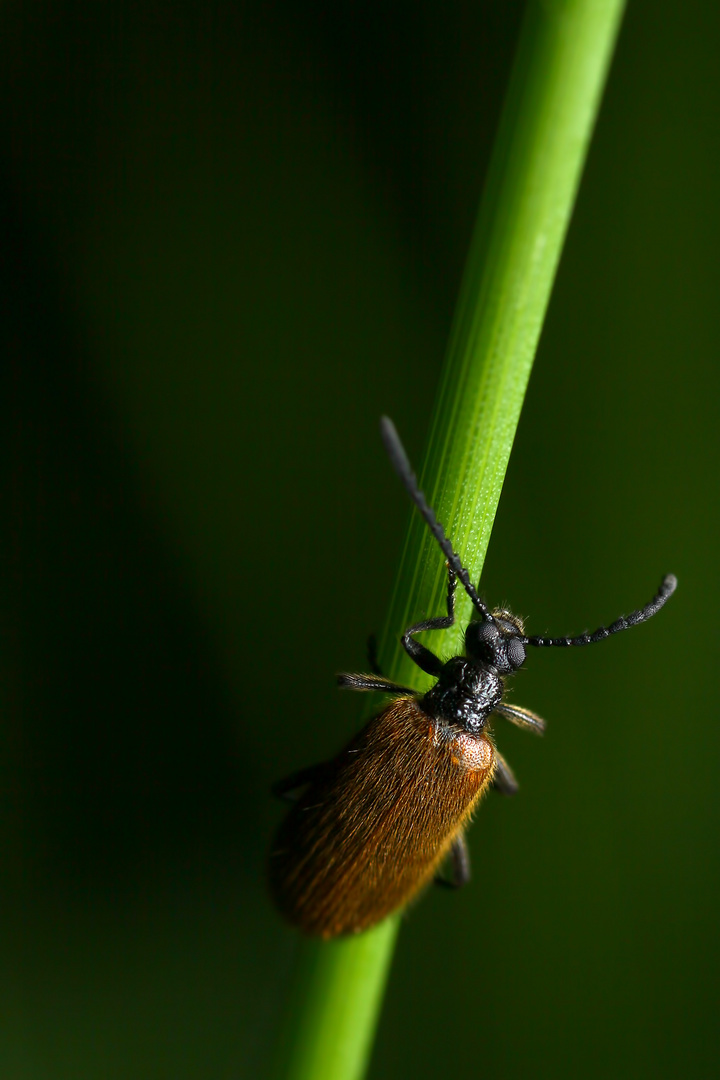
x=401 y=464
x=667 y=588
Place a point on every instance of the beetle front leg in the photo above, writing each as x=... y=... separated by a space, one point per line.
x=418 y=653
x=371 y=682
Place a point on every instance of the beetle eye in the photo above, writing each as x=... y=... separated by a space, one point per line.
x=482 y=641
x=515 y=653
x=487 y=633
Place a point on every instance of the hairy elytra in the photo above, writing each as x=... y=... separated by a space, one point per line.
x=369 y=828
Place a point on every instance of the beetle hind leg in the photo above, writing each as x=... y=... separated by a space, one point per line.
x=288 y=788
x=460 y=863
x=504 y=778
x=372 y=656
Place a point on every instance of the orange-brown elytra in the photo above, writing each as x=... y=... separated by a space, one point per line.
x=371 y=827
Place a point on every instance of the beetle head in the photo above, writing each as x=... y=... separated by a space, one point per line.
x=497 y=641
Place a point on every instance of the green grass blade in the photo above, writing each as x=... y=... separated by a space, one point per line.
x=555 y=88
x=335 y=1004
x=546 y=125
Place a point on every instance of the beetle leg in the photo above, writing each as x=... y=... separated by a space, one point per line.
x=460 y=861
x=372 y=656
x=522 y=718
x=504 y=779
x=372 y=682
x=285 y=788
x=418 y=653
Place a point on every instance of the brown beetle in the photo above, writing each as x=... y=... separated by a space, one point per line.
x=372 y=826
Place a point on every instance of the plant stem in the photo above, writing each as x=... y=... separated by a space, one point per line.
x=334 y=1006
x=545 y=128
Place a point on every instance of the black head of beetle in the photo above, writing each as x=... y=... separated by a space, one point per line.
x=497 y=642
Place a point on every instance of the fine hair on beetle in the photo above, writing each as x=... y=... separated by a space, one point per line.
x=368 y=829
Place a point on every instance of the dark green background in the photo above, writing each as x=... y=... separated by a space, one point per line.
x=233 y=236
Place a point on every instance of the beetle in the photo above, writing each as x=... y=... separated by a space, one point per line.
x=370 y=828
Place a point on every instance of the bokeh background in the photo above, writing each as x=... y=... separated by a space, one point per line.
x=232 y=237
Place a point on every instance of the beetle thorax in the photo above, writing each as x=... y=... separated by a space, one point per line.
x=466 y=693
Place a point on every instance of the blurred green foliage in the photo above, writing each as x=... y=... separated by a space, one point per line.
x=233 y=236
